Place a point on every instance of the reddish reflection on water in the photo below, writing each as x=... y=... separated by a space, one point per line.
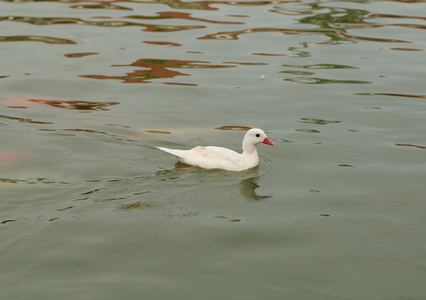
x=157 y=68
x=14 y=101
x=13 y=155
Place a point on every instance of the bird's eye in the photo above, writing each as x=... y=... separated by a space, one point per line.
x=257 y=135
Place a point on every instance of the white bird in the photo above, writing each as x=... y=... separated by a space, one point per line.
x=211 y=157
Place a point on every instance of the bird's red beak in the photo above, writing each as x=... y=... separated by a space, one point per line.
x=268 y=142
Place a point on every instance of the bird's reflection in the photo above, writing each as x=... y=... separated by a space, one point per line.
x=248 y=184
x=248 y=178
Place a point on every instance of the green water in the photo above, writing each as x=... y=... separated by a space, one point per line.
x=90 y=209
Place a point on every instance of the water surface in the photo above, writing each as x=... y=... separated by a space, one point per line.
x=90 y=209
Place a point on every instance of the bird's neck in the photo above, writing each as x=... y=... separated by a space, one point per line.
x=249 y=149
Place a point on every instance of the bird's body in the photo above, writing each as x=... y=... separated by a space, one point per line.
x=211 y=157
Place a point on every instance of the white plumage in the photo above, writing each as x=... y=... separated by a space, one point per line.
x=211 y=157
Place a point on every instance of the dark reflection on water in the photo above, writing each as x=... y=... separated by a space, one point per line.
x=200 y=5
x=321 y=66
x=388 y=16
x=307 y=130
x=405 y=49
x=101 y=5
x=103 y=23
x=339 y=17
x=164 y=15
x=333 y=33
x=312 y=80
x=24 y=120
x=158 y=68
x=81 y=54
x=233 y=127
x=32 y=181
x=35 y=38
x=333 y=15
x=393 y=94
x=78 y=105
x=357 y=26
x=411 y=145
x=401 y=95
x=269 y=54
x=318 y=121
x=170 y=44
x=332 y=23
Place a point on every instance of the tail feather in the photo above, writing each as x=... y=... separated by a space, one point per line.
x=175 y=152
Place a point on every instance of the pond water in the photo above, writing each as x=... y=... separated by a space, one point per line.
x=90 y=209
